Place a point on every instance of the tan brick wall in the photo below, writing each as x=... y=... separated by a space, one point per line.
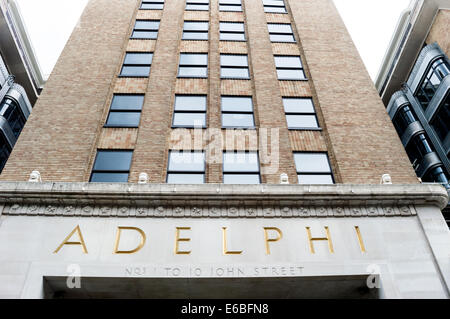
x=440 y=31
x=118 y=138
x=141 y=45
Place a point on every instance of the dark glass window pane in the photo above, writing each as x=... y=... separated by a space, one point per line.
x=312 y=163
x=315 y=179
x=113 y=161
x=441 y=121
x=237 y=120
x=190 y=103
x=124 y=119
x=292 y=105
x=11 y=111
x=302 y=121
x=189 y=119
x=173 y=178
x=5 y=151
x=127 y=102
x=138 y=58
x=244 y=179
x=291 y=75
x=135 y=71
x=109 y=178
x=240 y=162
x=237 y=104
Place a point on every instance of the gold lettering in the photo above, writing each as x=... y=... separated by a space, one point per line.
x=119 y=232
x=360 y=240
x=178 y=239
x=271 y=240
x=312 y=239
x=225 y=249
x=67 y=242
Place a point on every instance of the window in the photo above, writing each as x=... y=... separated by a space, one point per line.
x=5 y=151
x=313 y=168
x=289 y=68
x=241 y=167
x=232 y=31
x=436 y=73
x=403 y=118
x=145 y=29
x=300 y=113
x=274 y=6
x=186 y=167
x=237 y=112
x=417 y=148
x=234 y=66
x=112 y=166
x=280 y=32
x=230 y=5
x=136 y=64
x=195 y=30
x=197 y=5
x=189 y=111
x=441 y=120
x=125 y=110
x=193 y=65
x=11 y=111
x=152 y=5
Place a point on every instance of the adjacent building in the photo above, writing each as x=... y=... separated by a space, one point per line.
x=20 y=78
x=216 y=149
x=414 y=83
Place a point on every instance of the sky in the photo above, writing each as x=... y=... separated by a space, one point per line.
x=370 y=23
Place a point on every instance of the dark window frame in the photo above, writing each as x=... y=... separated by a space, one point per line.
x=222 y=112
x=432 y=70
x=135 y=65
x=186 y=172
x=148 y=30
x=315 y=173
x=281 y=33
x=193 y=66
x=197 y=3
x=235 y=68
x=191 y=112
x=301 y=68
x=154 y=2
x=123 y=111
x=93 y=171
x=232 y=32
x=274 y=6
x=318 y=128
x=231 y=5
x=224 y=172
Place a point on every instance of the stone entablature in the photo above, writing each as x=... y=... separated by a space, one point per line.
x=216 y=200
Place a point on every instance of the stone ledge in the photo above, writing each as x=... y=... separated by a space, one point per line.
x=198 y=195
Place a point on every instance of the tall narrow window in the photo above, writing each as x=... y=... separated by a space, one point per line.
x=300 y=113
x=125 y=110
x=5 y=151
x=230 y=5
x=232 y=31
x=289 y=68
x=240 y=167
x=274 y=6
x=152 y=5
x=237 y=112
x=193 y=65
x=435 y=74
x=195 y=30
x=441 y=121
x=11 y=112
x=197 y=5
x=145 y=29
x=281 y=32
x=186 y=167
x=313 y=168
x=189 y=111
x=112 y=166
x=233 y=66
x=136 y=64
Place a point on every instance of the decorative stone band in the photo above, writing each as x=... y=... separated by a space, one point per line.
x=215 y=200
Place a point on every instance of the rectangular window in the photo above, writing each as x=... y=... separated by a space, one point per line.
x=232 y=31
x=233 y=66
x=125 y=110
x=230 y=5
x=313 y=168
x=289 y=68
x=237 y=112
x=136 y=64
x=195 y=30
x=193 y=65
x=186 y=167
x=111 y=166
x=441 y=121
x=241 y=167
x=152 y=5
x=145 y=29
x=300 y=113
x=274 y=6
x=189 y=111
x=280 y=32
x=197 y=5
